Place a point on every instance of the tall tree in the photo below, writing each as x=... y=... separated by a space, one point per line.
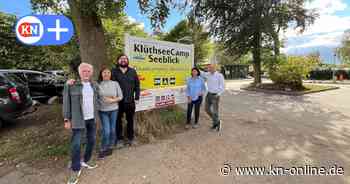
x=87 y=16
x=250 y=25
x=225 y=56
x=344 y=50
x=188 y=31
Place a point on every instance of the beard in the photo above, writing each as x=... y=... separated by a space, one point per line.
x=124 y=65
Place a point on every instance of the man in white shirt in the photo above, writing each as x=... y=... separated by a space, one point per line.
x=216 y=86
x=79 y=110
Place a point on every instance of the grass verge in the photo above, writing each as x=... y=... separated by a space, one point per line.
x=275 y=89
x=40 y=140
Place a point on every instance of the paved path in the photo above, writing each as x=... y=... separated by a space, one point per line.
x=259 y=130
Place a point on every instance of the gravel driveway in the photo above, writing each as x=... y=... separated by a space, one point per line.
x=259 y=130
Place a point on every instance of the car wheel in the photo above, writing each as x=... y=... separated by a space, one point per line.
x=52 y=100
x=43 y=100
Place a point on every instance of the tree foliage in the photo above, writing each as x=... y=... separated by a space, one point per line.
x=159 y=10
x=248 y=25
x=226 y=57
x=187 y=31
x=115 y=30
x=87 y=16
x=19 y=56
x=344 y=49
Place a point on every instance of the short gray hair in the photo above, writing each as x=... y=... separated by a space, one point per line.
x=83 y=65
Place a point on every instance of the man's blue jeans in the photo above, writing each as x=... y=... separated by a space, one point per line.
x=108 y=122
x=76 y=141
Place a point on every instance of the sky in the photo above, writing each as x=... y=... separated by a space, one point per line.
x=324 y=35
x=23 y=7
x=134 y=14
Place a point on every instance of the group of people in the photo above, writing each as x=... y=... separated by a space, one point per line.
x=195 y=90
x=116 y=93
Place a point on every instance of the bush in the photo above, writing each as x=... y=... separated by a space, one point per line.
x=290 y=72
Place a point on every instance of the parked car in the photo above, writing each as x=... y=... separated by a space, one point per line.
x=15 y=99
x=42 y=86
x=58 y=73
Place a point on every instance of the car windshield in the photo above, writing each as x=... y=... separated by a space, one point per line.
x=50 y=76
x=2 y=80
x=14 y=78
x=60 y=73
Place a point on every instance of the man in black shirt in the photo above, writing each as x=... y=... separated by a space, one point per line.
x=130 y=86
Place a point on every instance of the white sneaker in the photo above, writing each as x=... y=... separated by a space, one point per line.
x=195 y=126
x=88 y=166
x=74 y=177
x=219 y=126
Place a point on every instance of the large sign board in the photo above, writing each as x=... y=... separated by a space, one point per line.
x=162 y=68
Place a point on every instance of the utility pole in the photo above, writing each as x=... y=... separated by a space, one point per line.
x=334 y=59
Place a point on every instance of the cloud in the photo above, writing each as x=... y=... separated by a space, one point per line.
x=326 y=6
x=331 y=40
x=327 y=30
x=324 y=24
x=132 y=20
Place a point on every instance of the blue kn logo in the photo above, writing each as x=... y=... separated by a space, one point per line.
x=44 y=29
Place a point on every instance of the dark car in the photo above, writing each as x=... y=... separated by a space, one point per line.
x=58 y=73
x=14 y=98
x=42 y=86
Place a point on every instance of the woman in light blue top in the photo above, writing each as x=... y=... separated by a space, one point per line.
x=195 y=90
x=110 y=94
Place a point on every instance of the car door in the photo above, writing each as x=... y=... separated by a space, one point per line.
x=4 y=98
x=3 y=91
x=35 y=84
x=48 y=82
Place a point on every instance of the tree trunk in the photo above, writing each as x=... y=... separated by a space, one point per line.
x=257 y=68
x=277 y=44
x=91 y=36
x=257 y=58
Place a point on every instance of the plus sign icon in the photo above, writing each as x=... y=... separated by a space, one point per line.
x=44 y=29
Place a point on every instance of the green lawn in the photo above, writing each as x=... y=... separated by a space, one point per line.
x=273 y=88
x=316 y=88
